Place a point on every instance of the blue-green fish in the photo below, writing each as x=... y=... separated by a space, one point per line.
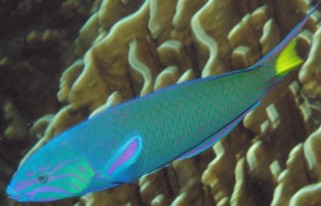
x=140 y=136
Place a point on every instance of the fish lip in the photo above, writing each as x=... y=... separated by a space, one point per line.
x=20 y=198
x=10 y=191
x=12 y=194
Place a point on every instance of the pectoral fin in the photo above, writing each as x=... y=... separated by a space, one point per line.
x=217 y=135
x=123 y=159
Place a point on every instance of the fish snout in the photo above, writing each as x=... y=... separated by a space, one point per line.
x=12 y=194
x=10 y=191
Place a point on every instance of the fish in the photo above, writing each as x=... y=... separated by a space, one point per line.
x=120 y=144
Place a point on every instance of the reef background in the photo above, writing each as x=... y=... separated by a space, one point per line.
x=105 y=52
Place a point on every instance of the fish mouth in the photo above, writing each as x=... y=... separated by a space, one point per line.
x=12 y=194
x=20 y=198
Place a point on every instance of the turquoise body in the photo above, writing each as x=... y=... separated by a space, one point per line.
x=123 y=143
x=169 y=122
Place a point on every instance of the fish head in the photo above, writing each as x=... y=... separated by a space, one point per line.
x=47 y=175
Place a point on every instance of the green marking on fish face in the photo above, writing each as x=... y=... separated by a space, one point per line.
x=72 y=175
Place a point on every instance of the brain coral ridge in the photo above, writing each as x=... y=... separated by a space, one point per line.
x=131 y=48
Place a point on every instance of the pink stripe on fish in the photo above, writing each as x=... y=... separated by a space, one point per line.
x=129 y=151
x=23 y=184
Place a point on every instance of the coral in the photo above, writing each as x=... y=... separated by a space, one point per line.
x=17 y=125
x=309 y=74
x=299 y=183
x=131 y=48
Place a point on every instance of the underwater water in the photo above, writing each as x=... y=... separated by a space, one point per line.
x=61 y=60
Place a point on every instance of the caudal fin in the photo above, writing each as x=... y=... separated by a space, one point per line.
x=288 y=59
x=284 y=56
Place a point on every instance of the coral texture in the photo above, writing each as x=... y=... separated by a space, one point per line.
x=131 y=48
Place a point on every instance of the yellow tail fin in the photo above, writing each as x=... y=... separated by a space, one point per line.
x=288 y=59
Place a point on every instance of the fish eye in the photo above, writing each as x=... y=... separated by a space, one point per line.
x=43 y=178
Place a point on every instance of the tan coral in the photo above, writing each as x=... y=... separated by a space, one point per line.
x=211 y=38
x=270 y=36
x=110 y=12
x=167 y=77
x=123 y=195
x=312 y=153
x=159 y=200
x=188 y=181
x=184 y=12
x=155 y=183
x=106 y=64
x=240 y=57
x=308 y=195
x=114 y=99
x=242 y=194
x=188 y=75
x=286 y=8
x=299 y=183
x=142 y=72
x=87 y=35
x=16 y=127
x=67 y=79
x=160 y=20
x=219 y=174
x=243 y=34
x=303 y=105
x=38 y=128
x=172 y=52
x=310 y=73
x=89 y=90
x=291 y=179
